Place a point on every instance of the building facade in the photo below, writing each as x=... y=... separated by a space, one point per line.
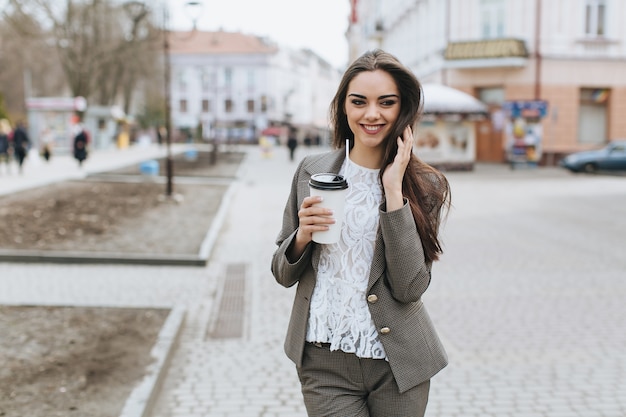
x=551 y=70
x=236 y=86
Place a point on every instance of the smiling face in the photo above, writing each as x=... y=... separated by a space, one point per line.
x=372 y=107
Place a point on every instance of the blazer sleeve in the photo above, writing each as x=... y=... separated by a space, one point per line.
x=285 y=272
x=407 y=272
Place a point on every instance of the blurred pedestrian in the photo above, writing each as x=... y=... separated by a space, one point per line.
x=47 y=139
x=21 y=144
x=161 y=133
x=81 y=140
x=5 y=149
x=359 y=334
x=292 y=144
x=267 y=145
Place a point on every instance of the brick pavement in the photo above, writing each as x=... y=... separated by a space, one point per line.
x=528 y=299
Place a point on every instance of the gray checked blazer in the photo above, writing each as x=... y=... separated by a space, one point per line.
x=398 y=278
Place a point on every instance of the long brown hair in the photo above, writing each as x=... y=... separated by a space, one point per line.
x=427 y=189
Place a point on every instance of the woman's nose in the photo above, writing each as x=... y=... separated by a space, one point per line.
x=372 y=112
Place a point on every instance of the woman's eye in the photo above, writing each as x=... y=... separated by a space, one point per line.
x=358 y=102
x=388 y=103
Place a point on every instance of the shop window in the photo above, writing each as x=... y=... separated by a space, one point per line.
x=592 y=120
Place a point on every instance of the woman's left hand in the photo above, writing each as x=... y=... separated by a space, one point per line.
x=394 y=173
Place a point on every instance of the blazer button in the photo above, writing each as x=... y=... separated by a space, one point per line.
x=372 y=298
x=385 y=330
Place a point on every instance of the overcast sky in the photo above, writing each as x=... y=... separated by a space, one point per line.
x=319 y=25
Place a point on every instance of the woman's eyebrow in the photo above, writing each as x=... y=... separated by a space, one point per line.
x=380 y=98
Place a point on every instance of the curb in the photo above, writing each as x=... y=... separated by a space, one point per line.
x=142 y=398
x=29 y=256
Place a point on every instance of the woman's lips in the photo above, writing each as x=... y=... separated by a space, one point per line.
x=372 y=129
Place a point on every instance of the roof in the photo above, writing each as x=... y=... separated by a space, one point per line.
x=439 y=98
x=200 y=42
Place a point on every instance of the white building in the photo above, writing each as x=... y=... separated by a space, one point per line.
x=564 y=57
x=237 y=85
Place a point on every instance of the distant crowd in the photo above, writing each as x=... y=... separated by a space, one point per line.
x=15 y=144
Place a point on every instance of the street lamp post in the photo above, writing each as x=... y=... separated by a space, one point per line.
x=193 y=8
x=169 y=163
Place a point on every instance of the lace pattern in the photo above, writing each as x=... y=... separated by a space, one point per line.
x=339 y=314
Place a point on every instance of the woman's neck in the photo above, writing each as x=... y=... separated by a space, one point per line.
x=366 y=158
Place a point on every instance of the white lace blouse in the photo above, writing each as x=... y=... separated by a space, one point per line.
x=339 y=314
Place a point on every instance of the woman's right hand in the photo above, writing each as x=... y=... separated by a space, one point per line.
x=311 y=218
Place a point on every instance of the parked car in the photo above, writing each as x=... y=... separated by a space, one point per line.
x=610 y=158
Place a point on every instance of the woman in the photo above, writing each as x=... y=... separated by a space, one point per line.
x=360 y=337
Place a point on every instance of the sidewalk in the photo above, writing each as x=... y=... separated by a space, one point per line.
x=37 y=172
x=528 y=299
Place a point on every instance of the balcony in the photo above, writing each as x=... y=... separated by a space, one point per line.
x=489 y=53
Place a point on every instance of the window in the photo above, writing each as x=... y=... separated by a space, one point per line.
x=182 y=106
x=228 y=77
x=228 y=106
x=491 y=95
x=250 y=106
x=206 y=106
x=181 y=81
x=264 y=104
x=595 y=17
x=492 y=18
x=205 y=81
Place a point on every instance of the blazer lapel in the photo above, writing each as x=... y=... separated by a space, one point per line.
x=326 y=162
x=378 y=261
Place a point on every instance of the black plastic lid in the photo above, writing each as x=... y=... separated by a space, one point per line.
x=328 y=181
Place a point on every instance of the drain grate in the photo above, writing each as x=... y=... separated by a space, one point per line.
x=230 y=315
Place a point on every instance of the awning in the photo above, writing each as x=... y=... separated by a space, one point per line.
x=272 y=131
x=441 y=99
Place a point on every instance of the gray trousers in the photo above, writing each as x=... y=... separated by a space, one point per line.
x=338 y=384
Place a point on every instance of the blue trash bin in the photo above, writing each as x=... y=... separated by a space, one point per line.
x=149 y=167
x=191 y=154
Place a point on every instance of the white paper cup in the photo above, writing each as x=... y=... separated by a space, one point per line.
x=333 y=189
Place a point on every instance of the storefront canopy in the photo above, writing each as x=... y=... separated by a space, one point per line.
x=441 y=99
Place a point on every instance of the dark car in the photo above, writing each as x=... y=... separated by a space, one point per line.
x=610 y=158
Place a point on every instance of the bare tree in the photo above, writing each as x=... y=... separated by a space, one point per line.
x=27 y=66
x=104 y=47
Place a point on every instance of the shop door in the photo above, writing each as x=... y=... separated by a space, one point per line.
x=488 y=143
